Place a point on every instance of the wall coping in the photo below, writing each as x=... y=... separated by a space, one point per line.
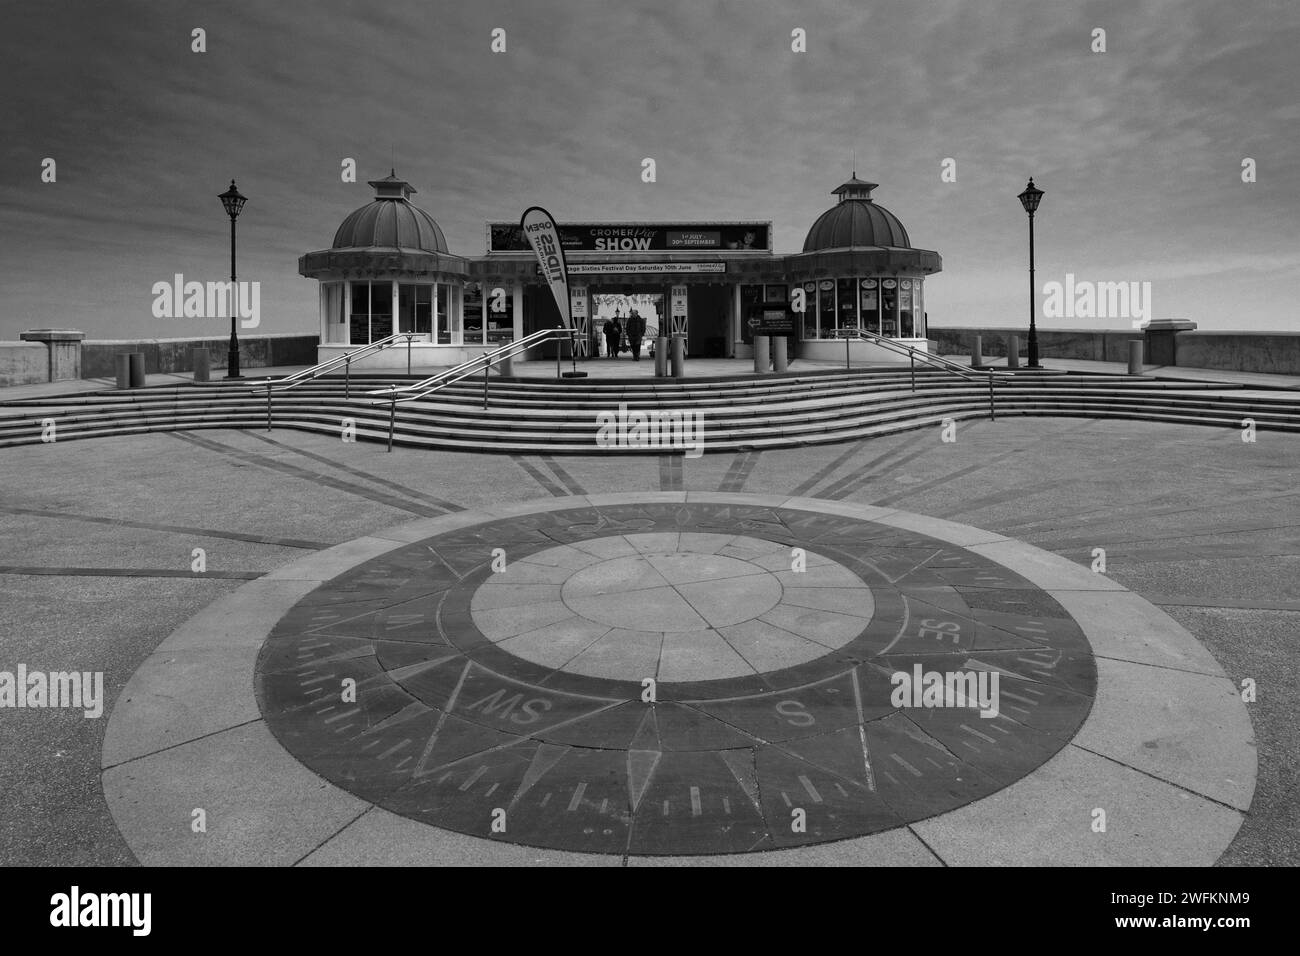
x=1024 y=330
x=248 y=334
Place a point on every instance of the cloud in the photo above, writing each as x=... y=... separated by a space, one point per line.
x=1139 y=148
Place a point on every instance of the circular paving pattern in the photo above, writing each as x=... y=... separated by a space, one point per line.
x=671 y=606
x=675 y=678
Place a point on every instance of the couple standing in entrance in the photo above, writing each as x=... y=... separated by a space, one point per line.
x=613 y=330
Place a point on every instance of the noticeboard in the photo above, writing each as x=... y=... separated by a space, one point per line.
x=771 y=318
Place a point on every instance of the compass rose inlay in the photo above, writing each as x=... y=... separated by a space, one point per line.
x=673 y=678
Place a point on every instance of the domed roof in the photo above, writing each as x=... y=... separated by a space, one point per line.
x=390 y=221
x=856 y=221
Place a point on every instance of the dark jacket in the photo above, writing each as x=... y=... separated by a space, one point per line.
x=635 y=327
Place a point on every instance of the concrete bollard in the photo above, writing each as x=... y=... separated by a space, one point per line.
x=779 y=362
x=1013 y=351
x=137 y=369
x=200 y=364
x=1135 y=357
x=762 y=355
x=977 y=352
x=123 y=360
x=661 y=357
x=679 y=355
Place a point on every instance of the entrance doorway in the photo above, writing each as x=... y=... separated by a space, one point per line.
x=607 y=304
x=708 y=309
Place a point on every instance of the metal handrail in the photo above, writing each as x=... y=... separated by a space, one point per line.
x=346 y=359
x=464 y=370
x=316 y=371
x=458 y=372
x=915 y=353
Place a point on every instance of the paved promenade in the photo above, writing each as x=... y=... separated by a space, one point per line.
x=1128 y=682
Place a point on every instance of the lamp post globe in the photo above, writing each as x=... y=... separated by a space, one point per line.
x=1030 y=199
x=233 y=202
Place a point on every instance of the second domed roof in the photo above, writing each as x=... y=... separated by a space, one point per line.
x=856 y=221
x=390 y=221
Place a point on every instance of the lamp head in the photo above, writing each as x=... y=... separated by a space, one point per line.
x=232 y=200
x=1031 y=197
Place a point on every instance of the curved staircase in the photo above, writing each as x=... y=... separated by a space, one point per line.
x=533 y=415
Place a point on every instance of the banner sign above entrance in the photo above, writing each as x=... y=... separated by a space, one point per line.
x=642 y=237
x=619 y=268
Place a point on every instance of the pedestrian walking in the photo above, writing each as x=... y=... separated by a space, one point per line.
x=635 y=333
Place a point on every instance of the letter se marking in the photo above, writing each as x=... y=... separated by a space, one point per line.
x=931 y=629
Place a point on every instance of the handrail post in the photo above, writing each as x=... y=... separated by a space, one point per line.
x=992 y=413
x=408 y=353
x=392 y=421
x=487 y=366
x=847 y=364
x=912 y=356
x=268 y=404
x=558 y=350
x=347 y=377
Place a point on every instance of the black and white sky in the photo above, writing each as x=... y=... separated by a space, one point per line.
x=1139 y=148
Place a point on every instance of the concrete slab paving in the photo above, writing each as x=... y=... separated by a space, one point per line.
x=380 y=838
x=1047 y=819
x=262 y=807
x=899 y=847
x=181 y=695
x=1055 y=483
x=1184 y=728
x=1124 y=626
x=691 y=657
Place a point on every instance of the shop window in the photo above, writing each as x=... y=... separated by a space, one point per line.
x=472 y=312
x=826 y=307
x=906 y=325
x=500 y=313
x=809 y=317
x=448 y=320
x=918 y=307
x=889 y=307
x=847 y=314
x=381 y=310
x=414 y=309
x=869 y=296
x=367 y=297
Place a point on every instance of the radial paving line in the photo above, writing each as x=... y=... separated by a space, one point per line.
x=177 y=529
x=129 y=572
x=538 y=476
x=670 y=473
x=517 y=692
x=567 y=479
x=359 y=473
x=312 y=476
x=809 y=487
x=841 y=489
x=811 y=482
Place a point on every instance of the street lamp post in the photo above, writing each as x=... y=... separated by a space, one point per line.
x=233 y=202
x=1030 y=199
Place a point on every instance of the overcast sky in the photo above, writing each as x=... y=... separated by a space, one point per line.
x=1139 y=148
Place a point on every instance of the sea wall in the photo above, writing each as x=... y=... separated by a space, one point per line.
x=1274 y=352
